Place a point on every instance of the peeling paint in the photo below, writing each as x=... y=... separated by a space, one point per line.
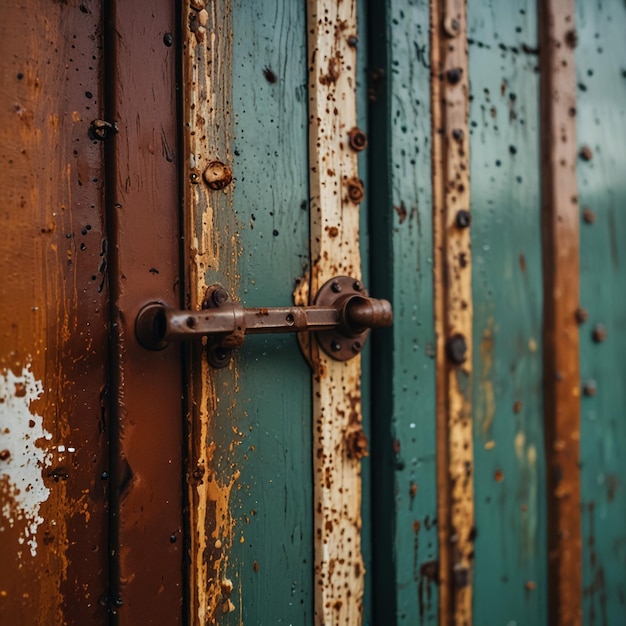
x=24 y=460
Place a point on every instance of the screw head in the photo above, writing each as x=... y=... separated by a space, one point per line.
x=357 y=346
x=456 y=349
x=357 y=286
x=599 y=333
x=358 y=139
x=336 y=287
x=219 y=296
x=335 y=346
x=463 y=219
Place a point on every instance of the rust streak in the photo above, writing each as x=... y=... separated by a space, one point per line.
x=453 y=306
x=561 y=294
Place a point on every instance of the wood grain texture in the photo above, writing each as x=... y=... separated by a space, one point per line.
x=510 y=572
x=453 y=307
x=147 y=544
x=561 y=301
x=337 y=423
x=601 y=118
x=53 y=317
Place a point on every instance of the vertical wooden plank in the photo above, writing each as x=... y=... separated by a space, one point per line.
x=510 y=582
x=601 y=123
x=403 y=370
x=250 y=444
x=335 y=196
x=211 y=248
x=142 y=197
x=53 y=317
x=453 y=306
x=561 y=300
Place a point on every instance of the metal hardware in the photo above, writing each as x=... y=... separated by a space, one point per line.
x=342 y=317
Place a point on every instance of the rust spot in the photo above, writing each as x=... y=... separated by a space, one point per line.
x=4 y=455
x=20 y=390
x=430 y=571
x=585 y=153
x=517 y=406
x=217 y=175
x=413 y=492
x=530 y=585
x=356 y=442
x=333 y=231
x=499 y=475
x=454 y=75
x=522 y=262
x=255 y=566
x=571 y=38
x=270 y=77
x=401 y=211
x=332 y=73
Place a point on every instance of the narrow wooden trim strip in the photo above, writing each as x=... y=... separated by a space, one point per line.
x=210 y=257
x=336 y=192
x=557 y=40
x=453 y=307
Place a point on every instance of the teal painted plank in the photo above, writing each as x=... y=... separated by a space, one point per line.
x=403 y=382
x=272 y=501
x=601 y=125
x=510 y=578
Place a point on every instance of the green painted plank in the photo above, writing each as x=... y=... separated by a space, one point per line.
x=601 y=125
x=403 y=381
x=510 y=583
x=272 y=501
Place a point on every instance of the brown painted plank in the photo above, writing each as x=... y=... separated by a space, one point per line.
x=336 y=193
x=142 y=197
x=453 y=307
x=53 y=317
x=557 y=40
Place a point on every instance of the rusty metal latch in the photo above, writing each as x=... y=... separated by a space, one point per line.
x=341 y=317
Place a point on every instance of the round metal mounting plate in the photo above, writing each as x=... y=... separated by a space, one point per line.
x=336 y=344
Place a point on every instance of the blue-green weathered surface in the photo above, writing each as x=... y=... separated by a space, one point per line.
x=510 y=583
x=601 y=126
x=403 y=414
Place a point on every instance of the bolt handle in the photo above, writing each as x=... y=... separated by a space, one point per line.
x=341 y=317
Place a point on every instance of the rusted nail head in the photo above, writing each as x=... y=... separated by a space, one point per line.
x=220 y=296
x=454 y=75
x=571 y=38
x=589 y=217
x=456 y=349
x=358 y=139
x=168 y=39
x=353 y=40
x=585 y=153
x=463 y=219
x=172 y=538
x=356 y=193
x=581 y=315
x=599 y=333
x=458 y=134
x=217 y=175
x=451 y=27
x=590 y=388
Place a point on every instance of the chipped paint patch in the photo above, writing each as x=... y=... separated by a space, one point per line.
x=21 y=476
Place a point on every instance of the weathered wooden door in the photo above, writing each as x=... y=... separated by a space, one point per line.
x=465 y=466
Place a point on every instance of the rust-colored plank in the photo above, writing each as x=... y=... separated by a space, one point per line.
x=210 y=257
x=453 y=307
x=142 y=197
x=557 y=40
x=336 y=193
x=53 y=316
